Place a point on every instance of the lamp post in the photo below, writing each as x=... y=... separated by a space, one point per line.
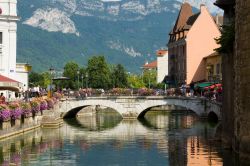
x=78 y=72
x=82 y=81
x=86 y=75
x=51 y=71
x=149 y=79
x=27 y=68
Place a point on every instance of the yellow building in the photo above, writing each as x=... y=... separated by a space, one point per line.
x=213 y=67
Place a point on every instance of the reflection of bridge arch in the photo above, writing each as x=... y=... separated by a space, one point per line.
x=93 y=123
x=138 y=106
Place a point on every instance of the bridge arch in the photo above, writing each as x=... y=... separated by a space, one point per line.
x=194 y=105
x=136 y=107
x=71 y=108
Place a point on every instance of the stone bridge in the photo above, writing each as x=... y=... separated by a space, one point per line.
x=137 y=106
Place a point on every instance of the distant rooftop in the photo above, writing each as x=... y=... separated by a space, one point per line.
x=161 y=52
x=150 y=65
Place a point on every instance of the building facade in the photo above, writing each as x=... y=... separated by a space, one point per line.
x=191 y=39
x=213 y=68
x=8 y=42
x=162 y=65
x=8 y=29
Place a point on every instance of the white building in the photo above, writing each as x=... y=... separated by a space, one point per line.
x=8 y=40
x=162 y=65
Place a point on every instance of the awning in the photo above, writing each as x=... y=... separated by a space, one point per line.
x=203 y=85
x=9 y=84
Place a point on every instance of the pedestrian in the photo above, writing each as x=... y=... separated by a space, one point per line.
x=2 y=99
x=191 y=89
x=184 y=89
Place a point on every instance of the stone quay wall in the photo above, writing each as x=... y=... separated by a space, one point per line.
x=48 y=118
x=242 y=78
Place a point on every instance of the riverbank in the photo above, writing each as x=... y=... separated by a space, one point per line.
x=46 y=119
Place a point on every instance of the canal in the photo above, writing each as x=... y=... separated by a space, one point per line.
x=104 y=139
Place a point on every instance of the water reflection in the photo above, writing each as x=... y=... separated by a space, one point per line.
x=96 y=122
x=160 y=139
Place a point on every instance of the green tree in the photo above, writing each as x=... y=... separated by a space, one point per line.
x=46 y=79
x=135 y=81
x=226 y=40
x=70 y=71
x=98 y=72
x=37 y=79
x=119 y=76
x=149 y=78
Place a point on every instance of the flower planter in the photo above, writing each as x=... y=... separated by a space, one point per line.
x=17 y=122
x=28 y=121
x=6 y=125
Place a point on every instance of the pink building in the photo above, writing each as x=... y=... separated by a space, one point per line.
x=191 y=39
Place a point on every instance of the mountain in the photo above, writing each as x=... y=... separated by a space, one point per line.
x=52 y=32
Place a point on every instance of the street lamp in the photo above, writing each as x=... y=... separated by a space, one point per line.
x=78 y=72
x=51 y=71
x=27 y=68
x=82 y=81
x=149 y=79
x=86 y=75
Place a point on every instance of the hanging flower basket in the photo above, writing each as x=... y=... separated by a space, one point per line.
x=26 y=110
x=43 y=105
x=15 y=110
x=5 y=115
x=16 y=113
x=35 y=106
x=50 y=103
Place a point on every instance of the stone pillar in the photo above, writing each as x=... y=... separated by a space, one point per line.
x=6 y=125
x=242 y=79
x=228 y=99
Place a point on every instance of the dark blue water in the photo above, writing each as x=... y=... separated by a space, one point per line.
x=161 y=139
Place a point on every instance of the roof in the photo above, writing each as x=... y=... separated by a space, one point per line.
x=9 y=84
x=218 y=20
x=6 y=79
x=161 y=52
x=221 y=3
x=150 y=65
x=212 y=55
x=184 y=14
x=192 y=19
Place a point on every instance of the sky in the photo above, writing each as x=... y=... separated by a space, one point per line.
x=209 y=3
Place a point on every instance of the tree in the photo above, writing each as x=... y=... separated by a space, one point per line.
x=149 y=78
x=70 y=71
x=119 y=76
x=37 y=79
x=226 y=40
x=98 y=72
x=135 y=81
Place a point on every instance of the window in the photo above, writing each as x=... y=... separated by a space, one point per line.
x=212 y=70
x=1 y=37
x=218 y=69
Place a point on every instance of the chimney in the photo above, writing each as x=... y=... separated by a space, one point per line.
x=203 y=8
